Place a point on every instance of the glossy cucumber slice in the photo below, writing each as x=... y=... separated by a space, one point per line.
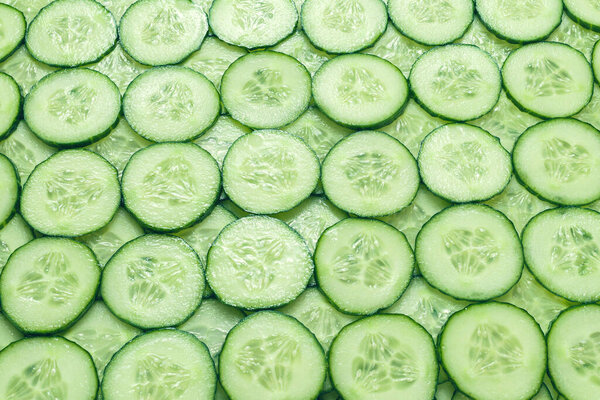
x=10 y=105
x=13 y=28
x=8 y=332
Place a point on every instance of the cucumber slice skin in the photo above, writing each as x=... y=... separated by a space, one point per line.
x=17 y=116
x=15 y=234
x=579 y=18
x=6 y=218
x=596 y=61
x=9 y=52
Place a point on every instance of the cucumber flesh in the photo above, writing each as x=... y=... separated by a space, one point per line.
x=8 y=332
x=26 y=70
x=119 y=67
x=13 y=235
x=10 y=187
x=13 y=26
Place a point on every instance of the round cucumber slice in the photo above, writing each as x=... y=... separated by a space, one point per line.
x=10 y=104
x=463 y=163
x=258 y=262
x=159 y=32
x=48 y=284
x=384 y=357
x=370 y=174
x=50 y=367
x=363 y=265
x=458 y=82
x=270 y=355
x=269 y=171
x=596 y=62
x=72 y=107
x=153 y=281
x=68 y=33
x=360 y=90
x=584 y=12
x=13 y=30
x=562 y=250
x=431 y=22
x=164 y=364
x=486 y=345
x=13 y=235
x=72 y=193
x=10 y=189
x=171 y=104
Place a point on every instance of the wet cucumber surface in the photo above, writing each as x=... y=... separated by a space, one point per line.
x=299 y=199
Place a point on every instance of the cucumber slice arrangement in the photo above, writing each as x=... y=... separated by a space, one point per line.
x=10 y=105
x=10 y=187
x=14 y=25
x=584 y=12
x=13 y=235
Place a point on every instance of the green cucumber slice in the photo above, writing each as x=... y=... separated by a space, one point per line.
x=584 y=12
x=13 y=26
x=571 y=33
x=47 y=284
x=218 y=139
x=384 y=357
x=69 y=33
x=153 y=281
x=10 y=188
x=478 y=35
x=13 y=235
x=258 y=262
x=119 y=67
x=543 y=394
x=591 y=112
x=50 y=367
x=159 y=32
x=164 y=364
x=562 y=250
x=10 y=105
x=8 y=332
x=117 y=7
x=370 y=174
x=26 y=70
x=299 y=46
x=270 y=355
x=596 y=62
x=445 y=391
x=29 y=8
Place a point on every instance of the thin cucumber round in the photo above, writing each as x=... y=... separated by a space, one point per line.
x=153 y=281
x=562 y=250
x=171 y=186
x=13 y=235
x=370 y=174
x=171 y=104
x=431 y=22
x=470 y=252
x=69 y=33
x=13 y=29
x=360 y=90
x=162 y=364
x=487 y=345
x=48 y=284
x=457 y=82
x=270 y=355
x=258 y=262
x=10 y=188
x=548 y=79
x=464 y=163
x=50 y=367
x=269 y=171
x=343 y=26
x=266 y=89
x=584 y=12
x=559 y=160
x=159 y=32
x=72 y=107
x=384 y=357
x=73 y=193
x=10 y=104
x=363 y=265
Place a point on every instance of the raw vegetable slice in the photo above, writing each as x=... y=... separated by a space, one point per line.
x=8 y=333
x=10 y=189
x=13 y=235
x=584 y=12
x=14 y=25
x=10 y=105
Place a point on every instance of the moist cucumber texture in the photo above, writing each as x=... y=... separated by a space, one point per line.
x=15 y=25
x=10 y=105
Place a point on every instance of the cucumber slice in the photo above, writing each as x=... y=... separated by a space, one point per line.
x=445 y=391
x=8 y=333
x=50 y=367
x=26 y=70
x=343 y=26
x=270 y=355
x=29 y=8
x=101 y=334
x=120 y=144
x=478 y=35
x=383 y=357
x=119 y=67
x=460 y=396
x=153 y=281
x=10 y=188
x=332 y=395
x=584 y=12
x=13 y=26
x=171 y=104
x=520 y=21
x=591 y=112
x=431 y=22
x=160 y=365
x=562 y=250
x=486 y=345
x=117 y=7
x=596 y=63
x=258 y=262
x=548 y=80
x=10 y=104
x=269 y=171
x=159 y=32
x=456 y=82
x=370 y=174
x=532 y=297
x=235 y=210
x=69 y=33
x=13 y=235
x=213 y=58
x=204 y=5
x=550 y=386
x=48 y=284
x=426 y=305
x=360 y=90
x=470 y=252
x=299 y=46
x=171 y=186
x=559 y=160
x=252 y=23
x=265 y=89
x=218 y=139
x=571 y=33
x=211 y=323
x=73 y=193
x=72 y=107
x=543 y=394
x=572 y=352
x=363 y=265
x=25 y=150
